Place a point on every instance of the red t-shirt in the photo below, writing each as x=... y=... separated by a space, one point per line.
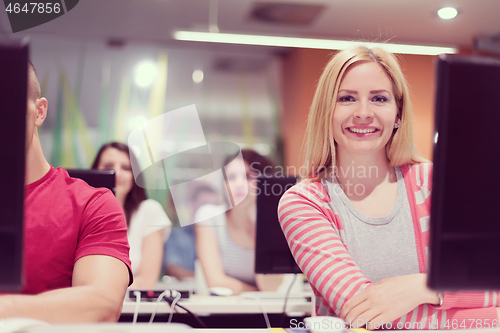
x=65 y=219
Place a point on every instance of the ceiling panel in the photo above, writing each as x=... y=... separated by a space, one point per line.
x=408 y=21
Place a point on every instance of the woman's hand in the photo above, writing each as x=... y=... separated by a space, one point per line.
x=387 y=300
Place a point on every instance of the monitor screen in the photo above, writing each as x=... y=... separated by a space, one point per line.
x=465 y=224
x=272 y=254
x=95 y=178
x=13 y=92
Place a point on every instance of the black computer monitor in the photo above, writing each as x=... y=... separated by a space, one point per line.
x=13 y=97
x=95 y=178
x=272 y=254
x=465 y=222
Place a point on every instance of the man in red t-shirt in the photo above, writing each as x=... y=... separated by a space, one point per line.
x=76 y=261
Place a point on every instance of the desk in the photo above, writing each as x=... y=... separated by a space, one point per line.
x=175 y=328
x=138 y=328
x=206 y=305
x=223 y=312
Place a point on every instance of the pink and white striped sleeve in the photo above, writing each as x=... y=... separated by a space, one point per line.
x=470 y=299
x=314 y=241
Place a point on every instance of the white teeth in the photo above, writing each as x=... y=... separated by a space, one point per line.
x=362 y=131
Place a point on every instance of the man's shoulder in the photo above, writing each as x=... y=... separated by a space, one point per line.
x=211 y=209
x=69 y=194
x=211 y=215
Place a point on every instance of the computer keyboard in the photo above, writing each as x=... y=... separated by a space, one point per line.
x=272 y=295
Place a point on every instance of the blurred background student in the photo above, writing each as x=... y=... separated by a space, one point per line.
x=225 y=244
x=180 y=249
x=148 y=224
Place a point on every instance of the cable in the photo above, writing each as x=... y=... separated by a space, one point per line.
x=172 y=302
x=264 y=312
x=286 y=300
x=172 y=306
x=262 y=309
x=198 y=320
x=137 y=295
x=158 y=300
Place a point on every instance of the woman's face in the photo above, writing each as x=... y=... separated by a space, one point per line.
x=113 y=159
x=241 y=181
x=365 y=111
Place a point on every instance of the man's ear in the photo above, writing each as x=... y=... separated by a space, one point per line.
x=41 y=111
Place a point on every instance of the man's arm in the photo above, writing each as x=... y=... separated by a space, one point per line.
x=99 y=285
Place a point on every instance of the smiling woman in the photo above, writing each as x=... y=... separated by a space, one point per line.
x=362 y=237
x=365 y=111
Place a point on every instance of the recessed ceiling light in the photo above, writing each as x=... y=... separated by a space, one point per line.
x=197 y=75
x=447 y=13
x=145 y=73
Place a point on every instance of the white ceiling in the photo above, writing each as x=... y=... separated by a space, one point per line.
x=401 y=21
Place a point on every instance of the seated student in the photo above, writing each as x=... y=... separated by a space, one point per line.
x=180 y=249
x=76 y=261
x=225 y=244
x=148 y=224
x=357 y=223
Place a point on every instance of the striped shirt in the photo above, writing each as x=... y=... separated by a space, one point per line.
x=313 y=232
x=238 y=262
x=368 y=239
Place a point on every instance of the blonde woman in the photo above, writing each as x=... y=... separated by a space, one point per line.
x=357 y=224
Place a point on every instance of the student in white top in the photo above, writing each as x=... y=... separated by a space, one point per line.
x=148 y=225
x=225 y=244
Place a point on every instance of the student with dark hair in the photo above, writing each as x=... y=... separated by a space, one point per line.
x=76 y=263
x=148 y=224
x=226 y=243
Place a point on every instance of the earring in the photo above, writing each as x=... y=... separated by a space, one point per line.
x=396 y=125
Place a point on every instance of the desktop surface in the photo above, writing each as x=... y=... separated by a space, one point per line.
x=241 y=311
x=179 y=328
x=110 y=328
x=241 y=304
x=136 y=328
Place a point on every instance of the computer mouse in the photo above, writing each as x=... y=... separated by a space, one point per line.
x=11 y=325
x=220 y=291
x=324 y=324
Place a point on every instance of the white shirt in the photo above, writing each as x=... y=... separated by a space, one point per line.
x=147 y=219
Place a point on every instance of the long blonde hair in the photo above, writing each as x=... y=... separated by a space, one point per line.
x=320 y=147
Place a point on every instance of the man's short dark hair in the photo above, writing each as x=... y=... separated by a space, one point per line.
x=34 y=92
x=202 y=189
